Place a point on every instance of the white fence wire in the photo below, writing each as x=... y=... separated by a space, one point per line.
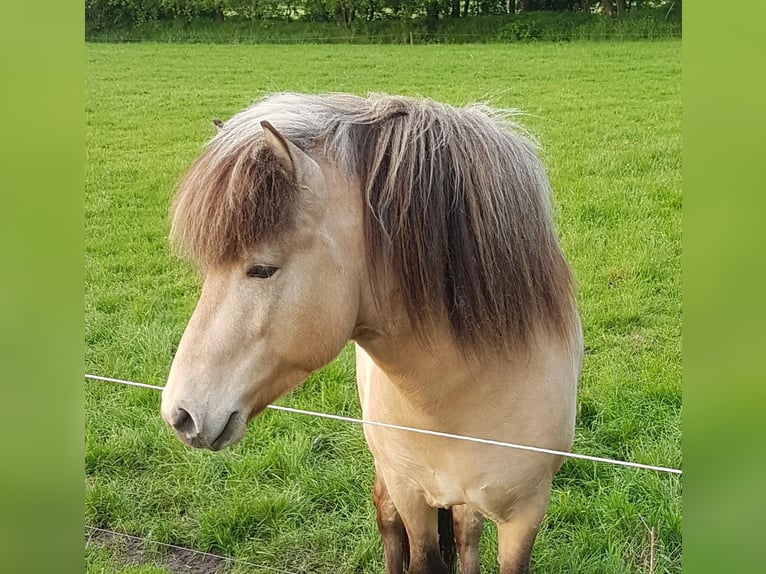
x=429 y=432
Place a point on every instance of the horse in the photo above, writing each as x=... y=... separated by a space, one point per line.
x=422 y=232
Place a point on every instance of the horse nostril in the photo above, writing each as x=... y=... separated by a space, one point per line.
x=183 y=422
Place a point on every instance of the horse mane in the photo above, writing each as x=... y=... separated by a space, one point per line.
x=458 y=207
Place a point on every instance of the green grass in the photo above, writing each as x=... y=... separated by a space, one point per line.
x=295 y=494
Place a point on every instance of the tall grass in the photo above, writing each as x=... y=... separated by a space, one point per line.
x=295 y=494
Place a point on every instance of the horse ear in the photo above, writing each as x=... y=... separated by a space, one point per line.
x=295 y=162
x=218 y=125
x=287 y=153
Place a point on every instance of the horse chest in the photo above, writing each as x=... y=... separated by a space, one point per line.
x=438 y=484
x=447 y=476
x=537 y=410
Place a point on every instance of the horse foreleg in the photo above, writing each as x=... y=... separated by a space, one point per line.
x=391 y=528
x=468 y=527
x=516 y=537
x=421 y=523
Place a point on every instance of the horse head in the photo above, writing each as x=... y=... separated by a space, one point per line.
x=280 y=257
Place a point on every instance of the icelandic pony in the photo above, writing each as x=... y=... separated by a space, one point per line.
x=423 y=233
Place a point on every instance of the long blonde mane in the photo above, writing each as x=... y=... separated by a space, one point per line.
x=458 y=207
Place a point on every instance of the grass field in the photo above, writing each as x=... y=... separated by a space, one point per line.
x=295 y=493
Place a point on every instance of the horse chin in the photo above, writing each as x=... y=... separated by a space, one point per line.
x=232 y=433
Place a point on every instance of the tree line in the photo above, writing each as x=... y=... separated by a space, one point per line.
x=125 y=13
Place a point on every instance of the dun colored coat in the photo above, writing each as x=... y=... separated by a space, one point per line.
x=423 y=233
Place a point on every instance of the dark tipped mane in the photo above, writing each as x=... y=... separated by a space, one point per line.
x=457 y=207
x=459 y=214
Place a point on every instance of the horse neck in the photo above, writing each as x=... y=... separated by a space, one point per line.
x=434 y=377
x=427 y=375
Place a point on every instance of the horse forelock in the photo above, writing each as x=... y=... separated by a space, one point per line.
x=234 y=195
x=457 y=207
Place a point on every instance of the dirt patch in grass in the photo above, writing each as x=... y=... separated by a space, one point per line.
x=132 y=551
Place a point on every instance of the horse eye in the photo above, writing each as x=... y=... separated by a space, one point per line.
x=261 y=271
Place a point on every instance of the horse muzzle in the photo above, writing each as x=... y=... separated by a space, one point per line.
x=199 y=432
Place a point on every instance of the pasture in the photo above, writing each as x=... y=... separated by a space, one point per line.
x=295 y=493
